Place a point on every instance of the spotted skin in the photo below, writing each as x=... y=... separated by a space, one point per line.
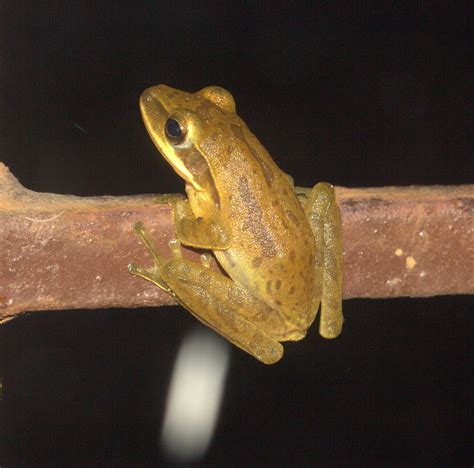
x=282 y=257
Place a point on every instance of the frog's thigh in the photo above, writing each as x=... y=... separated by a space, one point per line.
x=222 y=305
x=325 y=220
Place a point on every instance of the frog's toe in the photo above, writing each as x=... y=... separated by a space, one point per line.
x=151 y=274
x=146 y=273
x=169 y=198
x=139 y=228
x=206 y=259
x=135 y=269
x=175 y=247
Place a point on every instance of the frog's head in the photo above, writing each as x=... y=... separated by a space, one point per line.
x=178 y=122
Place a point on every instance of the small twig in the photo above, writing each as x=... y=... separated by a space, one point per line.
x=399 y=241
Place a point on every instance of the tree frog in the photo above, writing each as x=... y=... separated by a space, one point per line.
x=279 y=246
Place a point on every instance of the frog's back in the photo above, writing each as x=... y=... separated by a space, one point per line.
x=272 y=251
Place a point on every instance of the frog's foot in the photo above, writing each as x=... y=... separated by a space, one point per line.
x=150 y=274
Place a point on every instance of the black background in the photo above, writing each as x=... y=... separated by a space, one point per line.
x=355 y=93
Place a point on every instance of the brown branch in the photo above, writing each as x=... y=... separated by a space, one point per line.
x=63 y=252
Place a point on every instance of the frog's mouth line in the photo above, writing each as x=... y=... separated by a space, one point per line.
x=154 y=116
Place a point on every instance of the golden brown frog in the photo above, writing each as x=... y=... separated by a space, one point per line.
x=283 y=259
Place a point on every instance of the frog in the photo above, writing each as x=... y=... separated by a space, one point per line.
x=278 y=247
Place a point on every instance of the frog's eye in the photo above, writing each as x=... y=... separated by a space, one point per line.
x=175 y=132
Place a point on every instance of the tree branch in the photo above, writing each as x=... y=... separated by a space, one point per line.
x=63 y=252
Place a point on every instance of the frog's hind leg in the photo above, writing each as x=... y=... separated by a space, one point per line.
x=222 y=305
x=325 y=220
x=214 y=299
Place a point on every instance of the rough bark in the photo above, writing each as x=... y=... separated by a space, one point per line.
x=64 y=252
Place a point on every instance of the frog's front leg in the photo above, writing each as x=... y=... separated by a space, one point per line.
x=195 y=231
x=150 y=274
x=325 y=220
x=216 y=301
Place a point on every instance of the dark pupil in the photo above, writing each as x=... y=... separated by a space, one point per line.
x=173 y=129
